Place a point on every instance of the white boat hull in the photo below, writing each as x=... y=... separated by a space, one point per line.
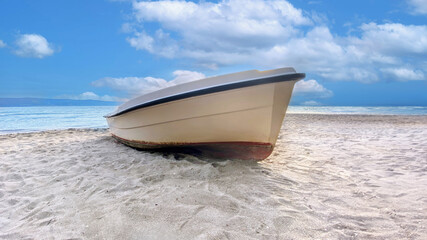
x=241 y=123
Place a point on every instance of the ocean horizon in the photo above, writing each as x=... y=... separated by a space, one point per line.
x=42 y=118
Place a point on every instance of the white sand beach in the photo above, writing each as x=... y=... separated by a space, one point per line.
x=329 y=177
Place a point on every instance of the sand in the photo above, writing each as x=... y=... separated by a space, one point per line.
x=330 y=177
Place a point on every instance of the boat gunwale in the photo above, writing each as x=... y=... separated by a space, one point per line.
x=212 y=89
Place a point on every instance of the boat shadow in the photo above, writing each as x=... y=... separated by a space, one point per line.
x=190 y=154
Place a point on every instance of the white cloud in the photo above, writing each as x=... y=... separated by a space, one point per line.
x=305 y=91
x=228 y=26
x=127 y=28
x=312 y=89
x=350 y=58
x=418 y=7
x=404 y=74
x=276 y=34
x=2 y=44
x=392 y=39
x=183 y=76
x=93 y=96
x=132 y=85
x=161 y=44
x=311 y=103
x=142 y=41
x=241 y=12
x=312 y=52
x=135 y=86
x=33 y=45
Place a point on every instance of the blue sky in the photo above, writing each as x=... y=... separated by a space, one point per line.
x=354 y=52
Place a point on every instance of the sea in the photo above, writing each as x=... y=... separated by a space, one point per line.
x=30 y=119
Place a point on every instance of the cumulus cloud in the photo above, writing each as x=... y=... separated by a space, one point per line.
x=311 y=103
x=312 y=89
x=351 y=58
x=131 y=85
x=207 y=28
x=183 y=76
x=33 y=45
x=134 y=86
x=393 y=39
x=418 y=7
x=142 y=41
x=127 y=28
x=93 y=96
x=355 y=58
x=310 y=93
x=2 y=44
x=404 y=74
x=160 y=44
x=276 y=34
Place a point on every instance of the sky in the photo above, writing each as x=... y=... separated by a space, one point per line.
x=354 y=53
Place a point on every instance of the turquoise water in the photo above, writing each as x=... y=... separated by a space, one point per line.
x=409 y=110
x=28 y=119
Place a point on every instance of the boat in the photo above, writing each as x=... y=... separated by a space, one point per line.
x=233 y=116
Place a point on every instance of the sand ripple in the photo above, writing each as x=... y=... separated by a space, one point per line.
x=330 y=177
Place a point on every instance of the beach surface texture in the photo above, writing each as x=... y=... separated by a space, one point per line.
x=329 y=177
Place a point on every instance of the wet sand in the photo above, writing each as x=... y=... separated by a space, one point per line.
x=330 y=177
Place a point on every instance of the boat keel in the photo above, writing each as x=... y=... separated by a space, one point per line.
x=217 y=150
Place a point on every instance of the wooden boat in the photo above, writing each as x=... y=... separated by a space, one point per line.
x=233 y=116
